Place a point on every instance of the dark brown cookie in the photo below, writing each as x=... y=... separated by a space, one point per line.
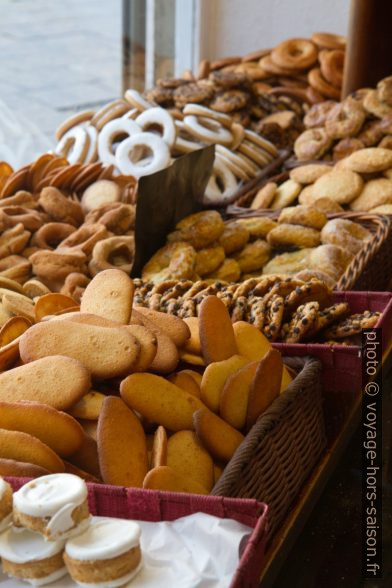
x=353 y=325
x=230 y=101
x=301 y=322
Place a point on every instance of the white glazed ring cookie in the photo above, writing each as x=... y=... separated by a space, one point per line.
x=115 y=128
x=73 y=121
x=74 y=145
x=233 y=162
x=144 y=167
x=132 y=114
x=158 y=117
x=185 y=142
x=136 y=100
x=208 y=130
x=199 y=110
x=214 y=194
x=91 y=155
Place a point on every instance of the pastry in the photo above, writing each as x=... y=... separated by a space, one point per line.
x=346 y=234
x=341 y=185
x=27 y=556
x=308 y=174
x=107 y=553
x=303 y=215
x=375 y=193
x=286 y=236
x=253 y=256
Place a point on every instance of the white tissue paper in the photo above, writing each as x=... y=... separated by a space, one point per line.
x=197 y=551
x=21 y=142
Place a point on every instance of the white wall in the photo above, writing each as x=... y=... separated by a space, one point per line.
x=235 y=27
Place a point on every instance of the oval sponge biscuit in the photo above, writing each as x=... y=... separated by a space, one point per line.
x=109 y=294
x=23 y=447
x=56 y=429
x=106 y=352
x=58 y=381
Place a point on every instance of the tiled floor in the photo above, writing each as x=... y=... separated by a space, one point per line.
x=58 y=57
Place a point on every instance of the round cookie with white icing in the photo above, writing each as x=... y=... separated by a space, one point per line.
x=54 y=505
x=106 y=555
x=5 y=505
x=28 y=556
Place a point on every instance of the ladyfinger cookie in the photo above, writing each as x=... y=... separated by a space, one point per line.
x=109 y=294
x=26 y=448
x=216 y=330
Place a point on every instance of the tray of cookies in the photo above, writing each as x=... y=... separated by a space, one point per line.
x=117 y=533
x=180 y=398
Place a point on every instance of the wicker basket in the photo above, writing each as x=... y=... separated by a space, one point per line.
x=282 y=448
x=152 y=505
x=371 y=268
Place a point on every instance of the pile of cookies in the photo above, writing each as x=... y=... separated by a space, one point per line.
x=47 y=532
x=361 y=182
x=63 y=224
x=292 y=310
x=98 y=391
x=204 y=247
x=139 y=138
x=334 y=130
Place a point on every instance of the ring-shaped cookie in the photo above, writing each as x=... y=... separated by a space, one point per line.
x=137 y=101
x=221 y=176
x=199 y=110
x=112 y=131
x=185 y=142
x=295 y=54
x=254 y=153
x=233 y=162
x=84 y=238
x=345 y=119
x=261 y=142
x=51 y=234
x=174 y=261
x=136 y=145
x=332 y=65
x=91 y=155
x=73 y=121
x=113 y=252
x=208 y=130
x=312 y=144
x=158 y=117
x=74 y=145
x=318 y=83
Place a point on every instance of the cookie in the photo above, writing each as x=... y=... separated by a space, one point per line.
x=148 y=347
x=313 y=291
x=265 y=386
x=89 y=406
x=186 y=382
x=187 y=457
x=86 y=457
x=218 y=437
x=370 y=160
x=159 y=448
x=286 y=194
x=273 y=317
x=288 y=236
x=159 y=401
x=228 y=271
x=308 y=174
x=214 y=378
x=106 y=352
x=165 y=478
x=264 y=196
x=302 y=321
x=173 y=326
x=326 y=317
x=57 y=381
x=258 y=227
x=304 y=216
x=216 y=331
x=166 y=357
x=121 y=433
x=12 y=329
x=353 y=325
x=253 y=256
x=110 y=295
x=53 y=303
x=341 y=185
x=288 y=263
x=56 y=429
x=20 y=469
x=233 y=402
x=26 y=448
x=375 y=193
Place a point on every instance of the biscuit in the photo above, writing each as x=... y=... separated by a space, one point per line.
x=383 y=209
x=327 y=205
x=57 y=381
x=52 y=303
x=218 y=437
x=159 y=401
x=12 y=329
x=228 y=271
x=209 y=259
x=348 y=235
x=70 y=468
x=89 y=427
x=265 y=386
x=20 y=469
x=302 y=321
x=173 y=326
x=375 y=193
x=218 y=471
x=106 y=352
x=186 y=382
x=372 y=159
x=288 y=263
x=18 y=304
x=253 y=256
x=109 y=294
x=258 y=227
x=166 y=357
x=233 y=402
x=89 y=406
x=286 y=194
x=251 y=343
x=9 y=284
x=233 y=238
x=86 y=457
x=120 y=434
x=195 y=375
x=216 y=330
x=159 y=448
x=187 y=457
x=288 y=236
x=214 y=378
x=264 y=196
x=193 y=344
x=148 y=347
x=26 y=448
x=308 y=174
x=192 y=358
x=56 y=429
x=303 y=215
x=165 y=478
x=341 y=185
